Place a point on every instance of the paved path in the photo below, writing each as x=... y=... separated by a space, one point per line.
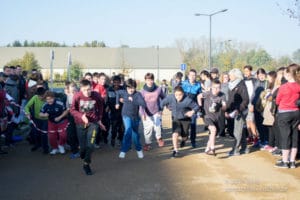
x=26 y=175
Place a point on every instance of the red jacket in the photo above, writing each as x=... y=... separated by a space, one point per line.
x=288 y=95
x=92 y=106
x=101 y=90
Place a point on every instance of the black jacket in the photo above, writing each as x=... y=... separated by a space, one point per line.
x=238 y=98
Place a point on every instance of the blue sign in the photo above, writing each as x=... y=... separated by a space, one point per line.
x=183 y=67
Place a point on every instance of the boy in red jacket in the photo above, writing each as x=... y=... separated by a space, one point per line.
x=87 y=110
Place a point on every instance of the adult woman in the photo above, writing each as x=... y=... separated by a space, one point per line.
x=289 y=116
x=238 y=101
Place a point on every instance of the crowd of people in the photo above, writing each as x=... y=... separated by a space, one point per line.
x=259 y=110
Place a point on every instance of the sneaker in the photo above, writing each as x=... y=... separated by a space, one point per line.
x=292 y=165
x=75 y=155
x=112 y=143
x=54 y=151
x=267 y=148
x=160 y=142
x=147 y=147
x=193 y=145
x=34 y=148
x=233 y=153
x=279 y=160
x=97 y=146
x=277 y=152
x=182 y=144
x=61 y=149
x=122 y=154
x=244 y=151
x=175 y=154
x=140 y=154
x=87 y=169
x=282 y=164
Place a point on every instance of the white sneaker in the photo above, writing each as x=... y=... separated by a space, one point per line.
x=140 y=154
x=122 y=154
x=54 y=151
x=61 y=149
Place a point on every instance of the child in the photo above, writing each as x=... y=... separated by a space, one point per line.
x=115 y=116
x=214 y=102
x=87 y=109
x=183 y=108
x=152 y=121
x=39 y=134
x=72 y=140
x=102 y=90
x=132 y=100
x=56 y=112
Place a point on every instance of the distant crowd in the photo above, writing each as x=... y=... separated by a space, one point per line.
x=259 y=110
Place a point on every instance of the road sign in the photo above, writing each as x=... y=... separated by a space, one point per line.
x=183 y=67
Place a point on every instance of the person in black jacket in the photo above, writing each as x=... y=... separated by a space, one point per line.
x=183 y=108
x=238 y=101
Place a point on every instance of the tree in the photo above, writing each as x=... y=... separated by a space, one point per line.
x=284 y=61
x=28 y=62
x=57 y=77
x=292 y=10
x=296 y=56
x=17 y=43
x=76 y=71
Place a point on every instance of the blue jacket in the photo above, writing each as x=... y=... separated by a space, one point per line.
x=191 y=90
x=179 y=108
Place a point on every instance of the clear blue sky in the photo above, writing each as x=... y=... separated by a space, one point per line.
x=139 y=23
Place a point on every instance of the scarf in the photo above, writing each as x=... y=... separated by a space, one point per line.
x=233 y=84
x=150 y=89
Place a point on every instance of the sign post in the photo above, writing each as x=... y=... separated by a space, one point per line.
x=183 y=67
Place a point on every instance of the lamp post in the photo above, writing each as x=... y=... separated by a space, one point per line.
x=210 y=20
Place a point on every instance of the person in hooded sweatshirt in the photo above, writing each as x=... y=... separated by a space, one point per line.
x=152 y=116
x=132 y=101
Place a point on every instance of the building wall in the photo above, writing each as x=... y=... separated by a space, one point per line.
x=138 y=61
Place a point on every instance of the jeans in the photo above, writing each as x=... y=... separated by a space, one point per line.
x=131 y=132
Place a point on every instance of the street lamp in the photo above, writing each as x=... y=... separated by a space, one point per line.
x=210 y=16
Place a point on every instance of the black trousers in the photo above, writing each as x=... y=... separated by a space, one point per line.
x=86 y=137
x=117 y=129
x=72 y=138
